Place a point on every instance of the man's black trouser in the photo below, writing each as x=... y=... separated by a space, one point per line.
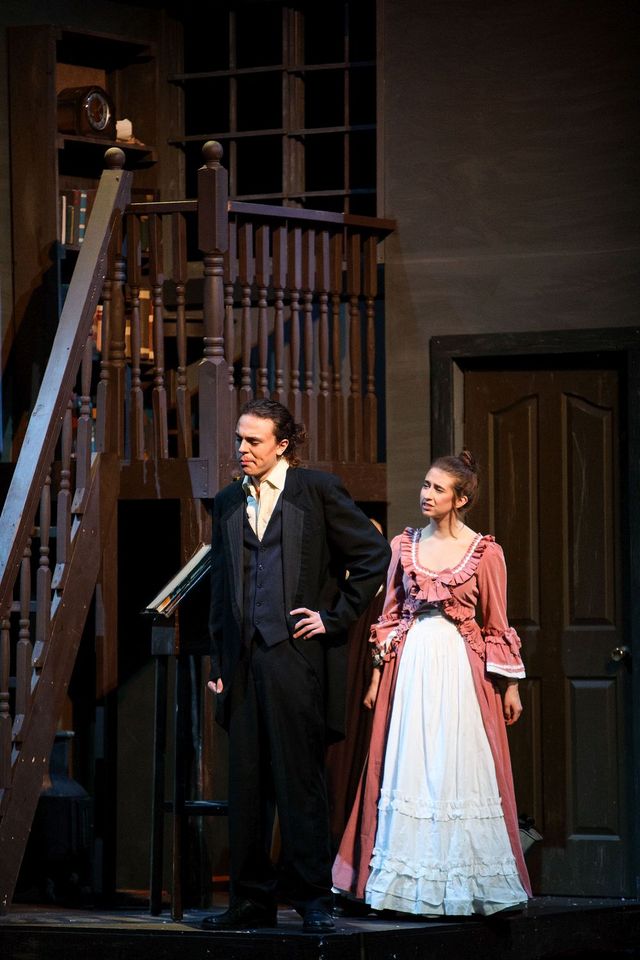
x=276 y=760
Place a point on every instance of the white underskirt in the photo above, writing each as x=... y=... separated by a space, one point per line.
x=441 y=844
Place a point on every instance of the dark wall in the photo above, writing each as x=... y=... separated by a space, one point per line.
x=510 y=158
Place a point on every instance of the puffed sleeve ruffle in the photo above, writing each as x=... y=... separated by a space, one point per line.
x=385 y=632
x=502 y=643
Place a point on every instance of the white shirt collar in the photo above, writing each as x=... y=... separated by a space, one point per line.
x=275 y=478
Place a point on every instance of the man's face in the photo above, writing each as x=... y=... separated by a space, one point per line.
x=258 y=449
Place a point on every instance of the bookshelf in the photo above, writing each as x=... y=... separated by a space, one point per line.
x=47 y=164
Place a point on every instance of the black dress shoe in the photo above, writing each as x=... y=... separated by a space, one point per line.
x=317 y=921
x=241 y=915
x=350 y=907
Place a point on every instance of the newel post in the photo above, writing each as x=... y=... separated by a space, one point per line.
x=213 y=375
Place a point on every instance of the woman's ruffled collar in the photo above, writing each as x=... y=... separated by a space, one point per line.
x=433 y=586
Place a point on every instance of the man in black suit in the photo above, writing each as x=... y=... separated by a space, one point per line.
x=281 y=601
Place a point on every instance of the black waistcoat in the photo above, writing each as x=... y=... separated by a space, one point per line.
x=264 y=582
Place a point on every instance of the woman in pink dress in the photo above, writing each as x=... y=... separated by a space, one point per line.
x=434 y=827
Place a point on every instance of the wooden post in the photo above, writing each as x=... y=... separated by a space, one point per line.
x=230 y=277
x=279 y=271
x=309 y=400
x=5 y=714
x=370 y=412
x=215 y=414
x=183 y=397
x=294 y=280
x=324 y=400
x=245 y=275
x=354 y=405
x=24 y=649
x=114 y=161
x=84 y=430
x=337 y=405
x=43 y=577
x=63 y=507
x=159 y=394
x=262 y=279
x=117 y=350
x=103 y=392
x=136 y=413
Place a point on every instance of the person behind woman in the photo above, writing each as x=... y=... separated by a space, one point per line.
x=434 y=827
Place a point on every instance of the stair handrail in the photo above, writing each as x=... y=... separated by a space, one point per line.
x=74 y=327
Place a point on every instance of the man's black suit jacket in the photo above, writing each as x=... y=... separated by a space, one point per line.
x=324 y=535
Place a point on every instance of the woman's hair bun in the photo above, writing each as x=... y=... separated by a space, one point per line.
x=463 y=471
x=468 y=459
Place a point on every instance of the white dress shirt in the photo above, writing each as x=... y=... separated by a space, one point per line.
x=262 y=499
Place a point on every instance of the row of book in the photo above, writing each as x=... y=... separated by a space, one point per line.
x=75 y=208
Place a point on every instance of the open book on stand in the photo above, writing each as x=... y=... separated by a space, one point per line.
x=184 y=581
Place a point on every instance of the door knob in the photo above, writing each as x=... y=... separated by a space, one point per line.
x=618 y=654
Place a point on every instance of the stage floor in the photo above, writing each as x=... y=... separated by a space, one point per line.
x=550 y=927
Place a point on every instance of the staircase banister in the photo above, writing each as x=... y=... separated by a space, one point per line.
x=162 y=207
x=380 y=226
x=376 y=225
x=44 y=426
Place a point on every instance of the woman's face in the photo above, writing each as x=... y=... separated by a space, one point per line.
x=437 y=497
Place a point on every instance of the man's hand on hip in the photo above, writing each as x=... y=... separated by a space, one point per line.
x=215 y=686
x=309 y=625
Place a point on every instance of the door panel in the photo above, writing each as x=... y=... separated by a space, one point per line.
x=547 y=442
x=595 y=764
x=591 y=543
x=513 y=498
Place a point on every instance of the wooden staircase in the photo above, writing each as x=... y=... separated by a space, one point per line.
x=284 y=303
x=40 y=637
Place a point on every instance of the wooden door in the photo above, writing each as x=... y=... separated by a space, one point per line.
x=547 y=440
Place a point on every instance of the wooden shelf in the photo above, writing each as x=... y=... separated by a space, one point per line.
x=97 y=143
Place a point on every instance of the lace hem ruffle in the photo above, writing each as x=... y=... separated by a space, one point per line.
x=437 y=872
x=421 y=808
x=453 y=897
x=457 y=887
